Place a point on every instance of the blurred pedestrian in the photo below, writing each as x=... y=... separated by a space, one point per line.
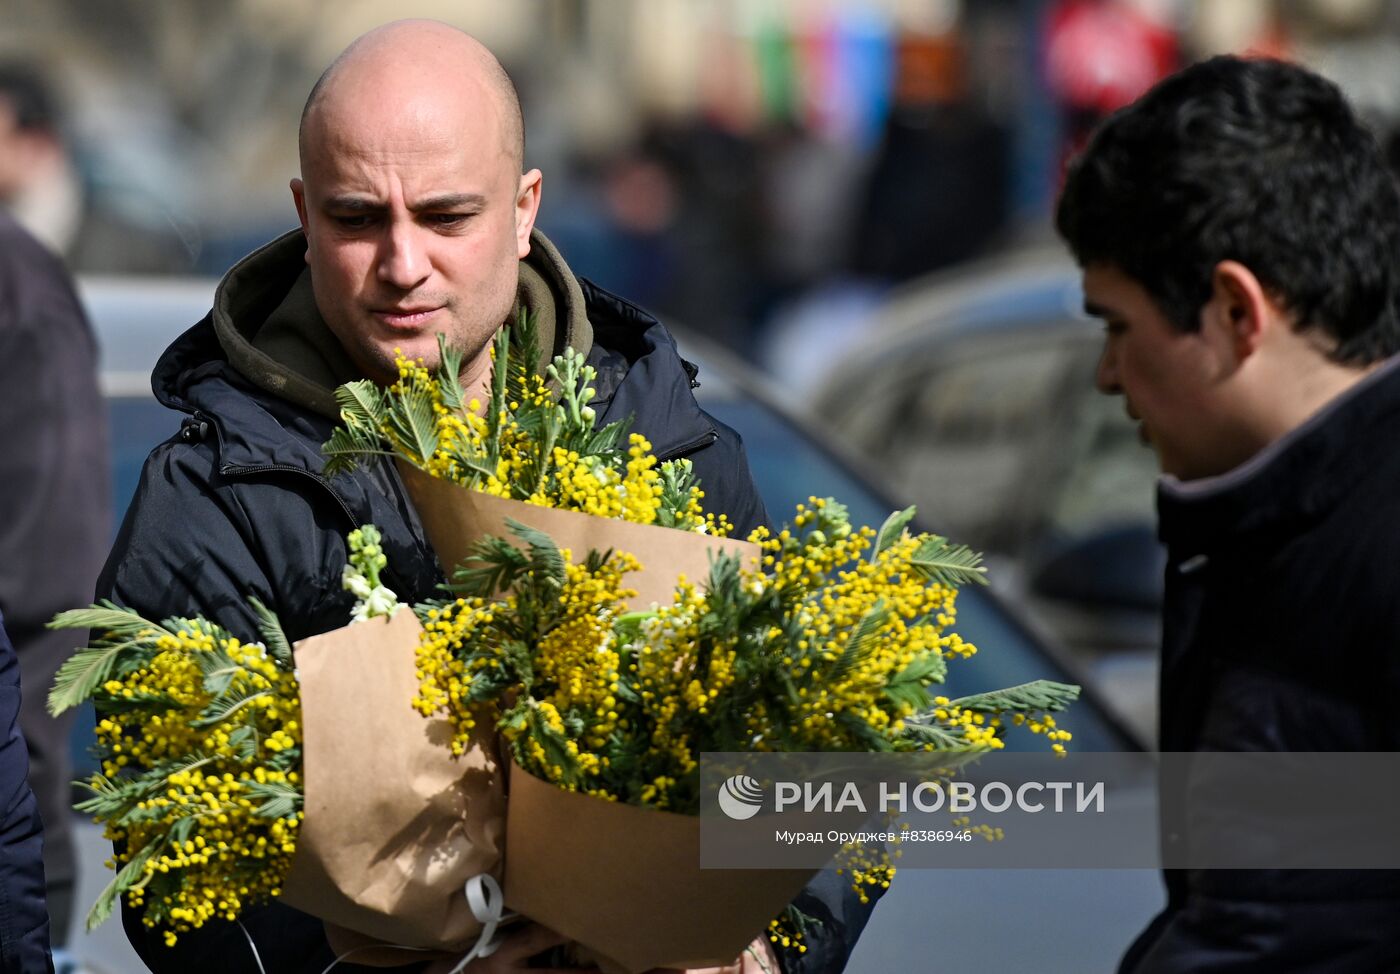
x=38 y=182
x=55 y=513
x=24 y=922
x=45 y=186
x=936 y=192
x=1238 y=231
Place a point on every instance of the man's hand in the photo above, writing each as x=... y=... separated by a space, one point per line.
x=757 y=958
x=514 y=953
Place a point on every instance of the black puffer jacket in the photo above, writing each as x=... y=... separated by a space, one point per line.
x=236 y=505
x=1282 y=633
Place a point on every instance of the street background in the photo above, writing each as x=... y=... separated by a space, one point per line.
x=854 y=196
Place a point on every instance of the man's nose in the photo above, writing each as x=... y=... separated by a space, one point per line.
x=403 y=261
x=1106 y=374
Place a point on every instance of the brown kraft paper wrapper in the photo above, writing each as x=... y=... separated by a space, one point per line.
x=394 y=824
x=455 y=518
x=626 y=883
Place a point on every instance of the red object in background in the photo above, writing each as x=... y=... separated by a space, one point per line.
x=1103 y=54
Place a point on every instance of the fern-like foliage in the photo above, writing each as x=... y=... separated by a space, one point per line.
x=412 y=427
x=860 y=643
x=1037 y=695
x=449 y=375
x=910 y=687
x=118 y=635
x=948 y=564
x=893 y=528
x=279 y=799
x=546 y=560
x=130 y=876
x=279 y=647
x=363 y=407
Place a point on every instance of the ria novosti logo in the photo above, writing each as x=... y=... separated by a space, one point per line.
x=741 y=797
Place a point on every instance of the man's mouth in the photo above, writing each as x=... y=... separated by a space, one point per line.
x=411 y=318
x=1137 y=420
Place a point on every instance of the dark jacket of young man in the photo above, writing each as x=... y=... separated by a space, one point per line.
x=1282 y=633
x=236 y=505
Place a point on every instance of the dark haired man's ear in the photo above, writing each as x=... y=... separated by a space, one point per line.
x=1239 y=310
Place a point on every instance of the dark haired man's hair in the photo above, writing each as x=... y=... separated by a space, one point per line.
x=27 y=92
x=1257 y=161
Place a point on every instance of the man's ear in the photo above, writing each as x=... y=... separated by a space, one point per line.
x=1239 y=311
x=527 y=207
x=299 y=198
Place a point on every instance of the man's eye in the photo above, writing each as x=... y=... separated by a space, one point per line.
x=349 y=221
x=448 y=220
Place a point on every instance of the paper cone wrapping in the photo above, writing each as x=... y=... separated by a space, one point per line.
x=626 y=883
x=455 y=518
x=395 y=825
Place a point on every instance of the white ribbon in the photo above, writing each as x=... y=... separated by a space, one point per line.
x=487 y=904
x=484 y=899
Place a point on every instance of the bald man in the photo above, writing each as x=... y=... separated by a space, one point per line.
x=416 y=219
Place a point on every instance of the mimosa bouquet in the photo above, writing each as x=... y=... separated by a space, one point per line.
x=609 y=656
x=835 y=642
x=200 y=741
x=531 y=453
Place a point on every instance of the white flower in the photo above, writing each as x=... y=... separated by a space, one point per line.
x=354 y=582
x=379 y=602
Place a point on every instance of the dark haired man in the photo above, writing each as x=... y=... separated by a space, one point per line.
x=1239 y=235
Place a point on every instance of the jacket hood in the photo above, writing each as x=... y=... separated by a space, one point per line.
x=266 y=325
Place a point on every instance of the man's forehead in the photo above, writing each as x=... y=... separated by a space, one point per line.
x=420 y=135
x=432 y=153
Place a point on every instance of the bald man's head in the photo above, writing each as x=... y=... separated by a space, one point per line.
x=412 y=199
x=415 y=40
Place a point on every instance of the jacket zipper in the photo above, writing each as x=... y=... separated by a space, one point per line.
x=202 y=425
x=690 y=447
x=230 y=470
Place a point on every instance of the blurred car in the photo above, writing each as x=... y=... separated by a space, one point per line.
x=971 y=393
x=1054 y=921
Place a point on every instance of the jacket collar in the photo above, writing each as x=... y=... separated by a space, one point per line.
x=267 y=323
x=1294 y=481
x=642 y=376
